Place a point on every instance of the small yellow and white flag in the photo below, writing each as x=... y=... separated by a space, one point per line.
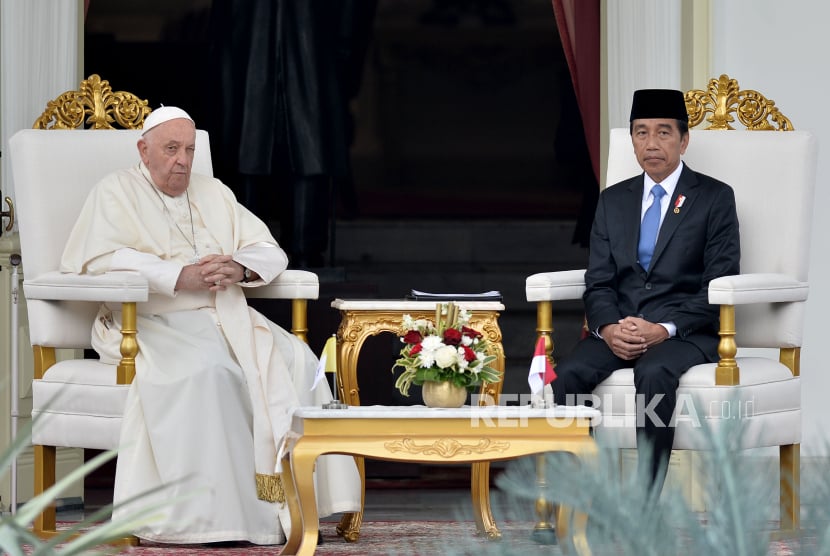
x=328 y=361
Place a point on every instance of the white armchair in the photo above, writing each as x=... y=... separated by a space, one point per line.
x=773 y=175
x=79 y=402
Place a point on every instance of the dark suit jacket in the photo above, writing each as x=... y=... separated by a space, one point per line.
x=697 y=242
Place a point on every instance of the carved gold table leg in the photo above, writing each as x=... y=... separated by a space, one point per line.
x=295 y=534
x=351 y=335
x=302 y=470
x=480 y=472
x=482 y=512
x=576 y=540
x=350 y=522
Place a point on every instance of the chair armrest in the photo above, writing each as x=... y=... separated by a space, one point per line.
x=290 y=284
x=741 y=289
x=118 y=286
x=555 y=286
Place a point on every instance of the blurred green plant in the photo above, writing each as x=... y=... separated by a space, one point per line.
x=626 y=518
x=89 y=536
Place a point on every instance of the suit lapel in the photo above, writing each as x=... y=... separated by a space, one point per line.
x=686 y=189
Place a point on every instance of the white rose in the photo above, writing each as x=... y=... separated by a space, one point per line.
x=462 y=362
x=446 y=356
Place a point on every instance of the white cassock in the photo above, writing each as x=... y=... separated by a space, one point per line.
x=215 y=380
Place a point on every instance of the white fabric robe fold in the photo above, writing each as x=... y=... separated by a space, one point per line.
x=215 y=380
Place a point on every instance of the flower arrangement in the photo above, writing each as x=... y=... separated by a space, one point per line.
x=446 y=350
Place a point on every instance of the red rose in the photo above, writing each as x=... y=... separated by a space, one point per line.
x=415 y=349
x=471 y=333
x=412 y=337
x=452 y=337
x=469 y=354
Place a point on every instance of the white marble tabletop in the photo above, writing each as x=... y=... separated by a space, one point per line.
x=408 y=305
x=466 y=412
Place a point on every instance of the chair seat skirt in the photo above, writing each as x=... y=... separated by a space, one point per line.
x=767 y=403
x=78 y=404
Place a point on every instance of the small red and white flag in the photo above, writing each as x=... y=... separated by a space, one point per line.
x=541 y=371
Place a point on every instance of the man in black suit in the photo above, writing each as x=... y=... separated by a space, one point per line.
x=646 y=296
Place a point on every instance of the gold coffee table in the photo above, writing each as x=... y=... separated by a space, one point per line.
x=421 y=434
x=360 y=319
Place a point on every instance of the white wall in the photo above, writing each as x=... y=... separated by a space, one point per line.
x=39 y=59
x=780 y=49
x=643 y=51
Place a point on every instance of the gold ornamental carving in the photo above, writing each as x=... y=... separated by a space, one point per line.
x=446 y=447
x=95 y=105
x=724 y=101
x=489 y=329
x=361 y=328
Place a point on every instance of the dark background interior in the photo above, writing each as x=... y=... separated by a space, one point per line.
x=465 y=111
x=458 y=112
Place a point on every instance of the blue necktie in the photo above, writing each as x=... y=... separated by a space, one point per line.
x=649 y=227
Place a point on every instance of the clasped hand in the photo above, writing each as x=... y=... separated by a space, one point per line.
x=630 y=337
x=212 y=272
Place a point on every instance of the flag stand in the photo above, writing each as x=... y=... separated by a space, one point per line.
x=335 y=404
x=331 y=363
x=543 y=531
x=542 y=374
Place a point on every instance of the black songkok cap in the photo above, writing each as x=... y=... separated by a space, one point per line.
x=658 y=103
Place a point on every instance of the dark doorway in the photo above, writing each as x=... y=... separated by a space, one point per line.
x=458 y=112
x=456 y=115
x=464 y=111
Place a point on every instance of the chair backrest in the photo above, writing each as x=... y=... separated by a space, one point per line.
x=773 y=175
x=53 y=171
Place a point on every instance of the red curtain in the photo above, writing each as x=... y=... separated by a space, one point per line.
x=579 y=28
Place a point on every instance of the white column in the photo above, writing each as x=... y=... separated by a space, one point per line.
x=40 y=57
x=643 y=51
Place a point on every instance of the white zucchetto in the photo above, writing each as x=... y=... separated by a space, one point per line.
x=164 y=114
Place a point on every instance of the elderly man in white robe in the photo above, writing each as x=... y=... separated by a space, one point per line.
x=215 y=380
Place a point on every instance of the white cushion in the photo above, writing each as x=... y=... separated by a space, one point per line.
x=110 y=286
x=756 y=288
x=78 y=404
x=555 y=286
x=768 y=402
x=289 y=284
x=76 y=431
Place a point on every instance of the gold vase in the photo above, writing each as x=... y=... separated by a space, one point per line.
x=443 y=394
